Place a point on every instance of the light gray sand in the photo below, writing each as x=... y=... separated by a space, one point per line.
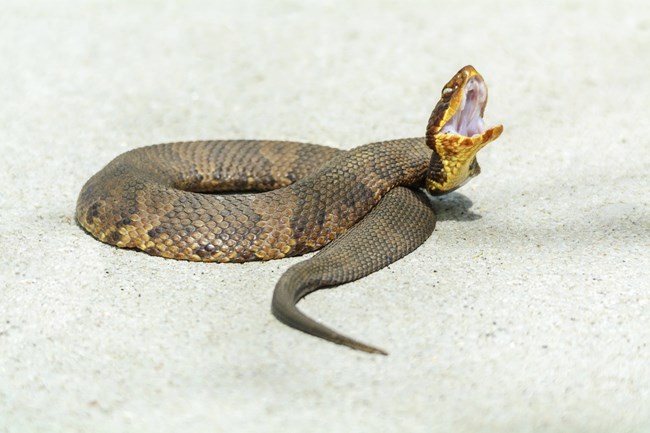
x=527 y=310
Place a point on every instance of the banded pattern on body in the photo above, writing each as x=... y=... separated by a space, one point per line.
x=153 y=198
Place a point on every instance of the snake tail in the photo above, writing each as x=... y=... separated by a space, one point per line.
x=400 y=222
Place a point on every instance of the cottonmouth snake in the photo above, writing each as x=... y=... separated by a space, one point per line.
x=364 y=206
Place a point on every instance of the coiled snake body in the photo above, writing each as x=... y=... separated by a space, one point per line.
x=363 y=206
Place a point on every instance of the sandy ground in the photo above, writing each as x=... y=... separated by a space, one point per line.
x=527 y=310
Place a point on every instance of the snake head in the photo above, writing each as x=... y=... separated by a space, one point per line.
x=456 y=132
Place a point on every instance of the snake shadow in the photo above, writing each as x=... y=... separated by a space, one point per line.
x=453 y=207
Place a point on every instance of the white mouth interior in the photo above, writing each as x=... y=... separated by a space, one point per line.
x=467 y=120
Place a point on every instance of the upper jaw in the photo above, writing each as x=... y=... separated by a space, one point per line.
x=467 y=106
x=460 y=108
x=467 y=120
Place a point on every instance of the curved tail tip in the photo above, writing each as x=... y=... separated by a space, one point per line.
x=362 y=347
x=378 y=351
x=283 y=307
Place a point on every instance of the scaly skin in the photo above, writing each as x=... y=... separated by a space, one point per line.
x=154 y=199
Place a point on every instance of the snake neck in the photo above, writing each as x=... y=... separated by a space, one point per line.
x=383 y=165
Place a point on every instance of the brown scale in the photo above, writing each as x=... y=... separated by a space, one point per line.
x=156 y=199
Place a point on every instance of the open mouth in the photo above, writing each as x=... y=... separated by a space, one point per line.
x=468 y=118
x=457 y=131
